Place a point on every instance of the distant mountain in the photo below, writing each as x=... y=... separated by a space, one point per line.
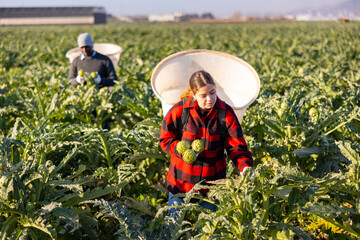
x=349 y=9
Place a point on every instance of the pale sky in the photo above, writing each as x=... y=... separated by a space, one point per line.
x=221 y=8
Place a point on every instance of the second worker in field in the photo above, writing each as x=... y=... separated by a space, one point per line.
x=90 y=61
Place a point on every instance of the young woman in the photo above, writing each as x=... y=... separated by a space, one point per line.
x=215 y=123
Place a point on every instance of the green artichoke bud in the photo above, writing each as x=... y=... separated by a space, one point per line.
x=182 y=146
x=93 y=74
x=189 y=156
x=198 y=145
x=81 y=73
x=314 y=114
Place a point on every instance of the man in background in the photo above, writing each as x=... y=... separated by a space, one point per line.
x=91 y=61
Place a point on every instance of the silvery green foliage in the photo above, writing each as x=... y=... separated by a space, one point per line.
x=135 y=221
x=303 y=131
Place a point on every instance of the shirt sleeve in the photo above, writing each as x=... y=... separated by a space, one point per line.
x=235 y=143
x=169 y=131
x=73 y=73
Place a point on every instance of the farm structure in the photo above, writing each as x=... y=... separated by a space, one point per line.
x=52 y=15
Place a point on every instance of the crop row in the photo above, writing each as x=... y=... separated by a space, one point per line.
x=63 y=177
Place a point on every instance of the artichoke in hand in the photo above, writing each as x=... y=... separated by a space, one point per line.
x=182 y=146
x=198 y=145
x=189 y=156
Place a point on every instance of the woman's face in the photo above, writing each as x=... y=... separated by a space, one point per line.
x=206 y=97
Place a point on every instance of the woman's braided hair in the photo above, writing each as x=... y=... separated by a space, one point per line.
x=197 y=80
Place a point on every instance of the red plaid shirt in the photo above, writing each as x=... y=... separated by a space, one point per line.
x=211 y=163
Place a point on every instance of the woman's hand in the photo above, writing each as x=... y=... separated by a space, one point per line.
x=248 y=171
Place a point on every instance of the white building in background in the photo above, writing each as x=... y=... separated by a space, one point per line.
x=303 y=17
x=176 y=17
x=161 y=18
